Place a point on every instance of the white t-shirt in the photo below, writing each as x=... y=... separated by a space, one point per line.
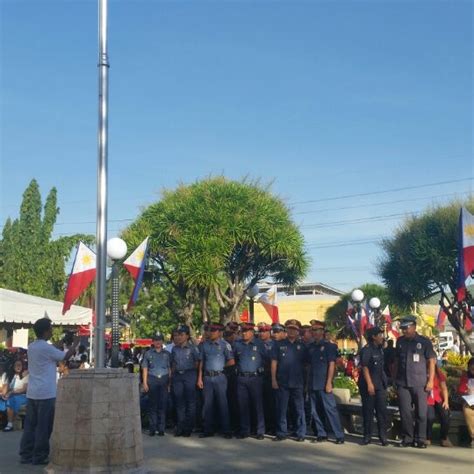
x=17 y=383
x=3 y=379
x=42 y=360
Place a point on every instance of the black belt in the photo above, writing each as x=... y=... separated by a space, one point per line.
x=159 y=376
x=213 y=373
x=182 y=372
x=249 y=374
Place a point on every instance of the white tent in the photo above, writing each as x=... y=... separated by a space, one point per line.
x=20 y=308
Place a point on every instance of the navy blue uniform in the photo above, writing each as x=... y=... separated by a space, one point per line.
x=323 y=405
x=412 y=356
x=214 y=355
x=250 y=359
x=269 y=395
x=184 y=360
x=158 y=365
x=290 y=357
x=372 y=357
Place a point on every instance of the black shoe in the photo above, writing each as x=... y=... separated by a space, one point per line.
x=25 y=461
x=366 y=441
x=420 y=445
x=321 y=439
x=242 y=436
x=405 y=444
x=384 y=442
x=186 y=434
x=339 y=440
x=300 y=439
x=161 y=433
x=227 y=435
x=178 y=434
x=151 y=433
x=260 y=437
x=279 y=438
x=206 y=435
x=41 y=462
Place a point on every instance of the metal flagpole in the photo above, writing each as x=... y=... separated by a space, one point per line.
x=101 y=231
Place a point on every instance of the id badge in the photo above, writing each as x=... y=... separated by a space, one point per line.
x=416 y=357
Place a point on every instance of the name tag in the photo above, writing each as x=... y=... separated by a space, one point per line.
x=416 y=357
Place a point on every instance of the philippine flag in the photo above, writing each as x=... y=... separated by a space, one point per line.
x=465 y=251
x=352 y=325
x=269 y=302
x=441 y=319
x=386 y=315
x=82 y=275
x=135 y=264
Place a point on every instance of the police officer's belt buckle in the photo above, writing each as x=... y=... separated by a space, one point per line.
x=213 y=373
x=181 y=372
x=249 y=374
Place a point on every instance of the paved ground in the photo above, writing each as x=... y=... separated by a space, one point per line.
x=186 y=455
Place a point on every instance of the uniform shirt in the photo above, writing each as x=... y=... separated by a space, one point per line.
x=184 y=358
x=412 y=356
x=320 y=354
x=17 y=383
x=249 y=357
x=291 y=357
x=372 y=357
x=215 y=354
x=157 y=363
x=42 y=360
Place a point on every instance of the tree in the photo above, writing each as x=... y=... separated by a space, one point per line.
x=216 y=238
x=336 y=315
x=420 y=260
x=31 y=262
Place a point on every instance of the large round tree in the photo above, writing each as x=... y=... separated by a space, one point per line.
x=219 y=237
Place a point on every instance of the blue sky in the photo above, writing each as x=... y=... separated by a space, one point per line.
x=324 y=99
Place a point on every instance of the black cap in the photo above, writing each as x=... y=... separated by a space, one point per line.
x=157 y=337
x=407 y=321
x=372 y=332
x=278 y=327
x=183 y=329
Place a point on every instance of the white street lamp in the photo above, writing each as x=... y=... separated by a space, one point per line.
x=374 y=303
x=116 y=250
x=357 y=296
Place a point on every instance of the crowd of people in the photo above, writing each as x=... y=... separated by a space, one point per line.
x=245 y=380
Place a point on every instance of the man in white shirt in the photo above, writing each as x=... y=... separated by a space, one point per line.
x=41 y=394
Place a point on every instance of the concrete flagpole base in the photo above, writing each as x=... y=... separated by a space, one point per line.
x=97 y=426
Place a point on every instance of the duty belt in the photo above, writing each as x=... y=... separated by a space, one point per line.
x=249 y=374
x=213 y=373
x=182 y=372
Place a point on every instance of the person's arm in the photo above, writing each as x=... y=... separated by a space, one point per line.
x=146 y=388
x=199 y=380
x=331 y=370
x=274 y=368
x=368 y=380
x=229 y=355
x=431 y=373
x=444 y=394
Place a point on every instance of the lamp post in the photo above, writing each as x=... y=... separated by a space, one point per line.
x=374 y=304
x=357 y=296
x=116 y=250
x=252 y=292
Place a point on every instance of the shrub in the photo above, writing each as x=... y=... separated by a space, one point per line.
x=458 y=360
x=346 y=382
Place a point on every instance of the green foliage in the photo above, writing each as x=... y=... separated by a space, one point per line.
x=421 y=260
x=216 y=238
x=336 y=317
x=342 y=381
x=457 y=360
x=30 y=261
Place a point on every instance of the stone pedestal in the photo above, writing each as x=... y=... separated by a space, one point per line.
x=97 y=427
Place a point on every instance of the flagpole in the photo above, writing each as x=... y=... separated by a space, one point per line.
x=101 y=230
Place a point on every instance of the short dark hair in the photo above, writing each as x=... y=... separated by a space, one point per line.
x=41 y=326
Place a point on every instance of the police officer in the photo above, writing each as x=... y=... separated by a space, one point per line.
x=288 y=358
x=250 y=355
x=373 y=385
x=230 y=336
x=156 y=381
x=215 y=355
x=322 y=356
x=184 y=364
x=414 y=368
x=264 y=335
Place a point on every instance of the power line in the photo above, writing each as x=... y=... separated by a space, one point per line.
x=385 y=191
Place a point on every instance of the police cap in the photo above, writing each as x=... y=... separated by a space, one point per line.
x=292 y=323
x=407 y=321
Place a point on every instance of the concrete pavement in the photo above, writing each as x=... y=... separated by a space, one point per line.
x=186 y=455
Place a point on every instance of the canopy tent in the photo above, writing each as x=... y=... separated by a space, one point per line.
x=22 y=309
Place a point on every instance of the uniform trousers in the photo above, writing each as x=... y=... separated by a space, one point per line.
x=324 y=405
x=443 y=415
x=184 y=392
x=39 y=419
x=269 y=405
x=215 y=392
x=158 y=401
x=250 y=394
x=283 y=398
x=377 y=403
x=413 y=428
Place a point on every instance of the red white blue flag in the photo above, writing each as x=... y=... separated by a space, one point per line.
x=441 y=319
x=465 y=251
x=135 y=265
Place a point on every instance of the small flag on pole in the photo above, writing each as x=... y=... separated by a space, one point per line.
x=135 y=265
x=82 y=274
x=465 y=251
x=269 y=302
x=441 y=319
